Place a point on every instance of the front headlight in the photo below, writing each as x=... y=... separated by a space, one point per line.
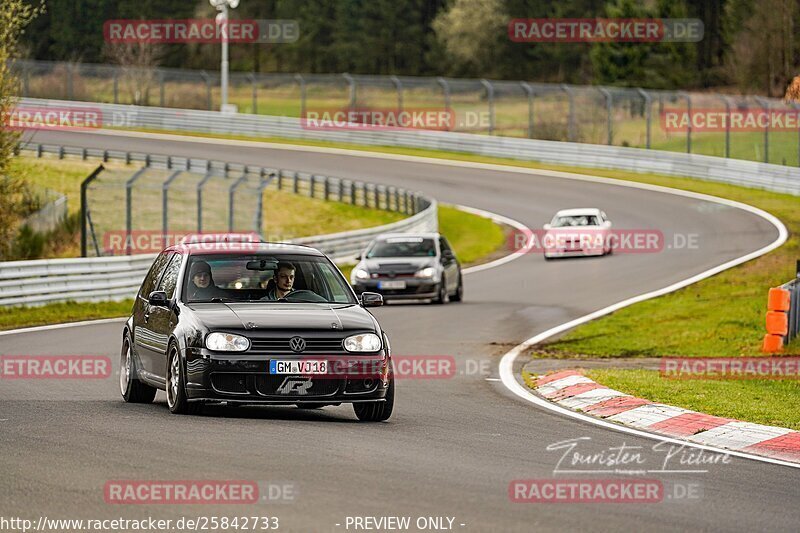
x=360 y=273
x=427 y=272
x=227 y=342
x=365 y=342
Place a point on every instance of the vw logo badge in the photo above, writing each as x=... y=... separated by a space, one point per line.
x=297 y=344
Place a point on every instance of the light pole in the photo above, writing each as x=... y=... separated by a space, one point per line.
x=222 y=18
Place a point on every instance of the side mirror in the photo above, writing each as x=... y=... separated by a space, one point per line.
x=359 y=257
x=547 y=226
x=371 y=299
x=158 y=298
x=607 y=224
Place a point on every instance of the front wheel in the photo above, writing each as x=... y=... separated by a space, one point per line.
x=376 y=411
x=441 y=293
x=133 y=390
x=176 y=387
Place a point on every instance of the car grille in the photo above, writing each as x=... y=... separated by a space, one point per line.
x=268 y=385
x=314 y=345
x=396 y=269
x=229 y=383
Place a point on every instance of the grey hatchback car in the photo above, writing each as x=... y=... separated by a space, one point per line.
x=406 y=266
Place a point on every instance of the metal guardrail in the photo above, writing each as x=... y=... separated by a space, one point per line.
x=591 y=114
x=115 y=278
x=771 y=177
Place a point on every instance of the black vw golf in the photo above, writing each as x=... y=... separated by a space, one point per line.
x=254 y=323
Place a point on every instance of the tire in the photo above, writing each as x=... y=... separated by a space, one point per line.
x=377 y=411
x=132 y=390
x=441 y=297
x=176 y=387
x=459 y=294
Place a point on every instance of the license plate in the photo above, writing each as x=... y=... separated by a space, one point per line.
x=392 y=284
x=307 y=366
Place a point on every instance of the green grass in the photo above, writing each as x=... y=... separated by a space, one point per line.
x=769 y=402
x=23 y=317
x=473 y=238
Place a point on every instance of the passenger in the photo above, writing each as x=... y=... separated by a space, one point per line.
x=201 y=286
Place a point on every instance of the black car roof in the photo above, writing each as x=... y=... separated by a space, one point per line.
x=211 y=248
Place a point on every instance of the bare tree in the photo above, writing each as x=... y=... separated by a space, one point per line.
x=138 y=62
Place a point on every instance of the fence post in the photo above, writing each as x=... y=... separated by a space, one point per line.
x=399 y=86
x=531 y=96
x=280 y=179
x=311 y=183
x=259 y=222
x=647 y=105
x=70 y=81
x=609 y=110
x=689 y=127
x=766 y=105
x=302 y=81
x=231 y=195
x=295 y=184
x=490 y=97
x=727 y=103
x=352 y=85
x=85 y=205
x=326 y=188
x=352 y=193
x=207 y=79
x=200 y=185
x=571 y=116
x=161 y=95
x=129 y=208
x=376 y=193
x=252 y=78
x=445 y=91
x=164 y=202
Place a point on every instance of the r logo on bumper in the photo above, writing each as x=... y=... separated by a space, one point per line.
x=297 y=386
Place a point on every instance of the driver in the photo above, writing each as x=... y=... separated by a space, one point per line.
x=283 y=282
x=201 y=286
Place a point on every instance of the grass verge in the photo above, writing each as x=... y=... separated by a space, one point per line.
x=23 y=317
x=769 y=402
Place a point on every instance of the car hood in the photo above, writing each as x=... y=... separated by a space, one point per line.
x=281 y=316
x=401 y=264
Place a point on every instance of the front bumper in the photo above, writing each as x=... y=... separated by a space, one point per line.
x=415 y=289
x=352 y=378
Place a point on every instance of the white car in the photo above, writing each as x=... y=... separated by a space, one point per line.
x=577 y=232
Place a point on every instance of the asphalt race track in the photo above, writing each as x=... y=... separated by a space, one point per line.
x=453 y=445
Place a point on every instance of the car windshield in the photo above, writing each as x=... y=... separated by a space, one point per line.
x=277 y=277
x=572 y=221
x=402 y=247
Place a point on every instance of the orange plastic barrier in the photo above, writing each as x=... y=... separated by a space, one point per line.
x=777 y=323
x=778 y=300
x=772 y=343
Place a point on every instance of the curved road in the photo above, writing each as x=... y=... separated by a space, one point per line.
x=453 y=445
